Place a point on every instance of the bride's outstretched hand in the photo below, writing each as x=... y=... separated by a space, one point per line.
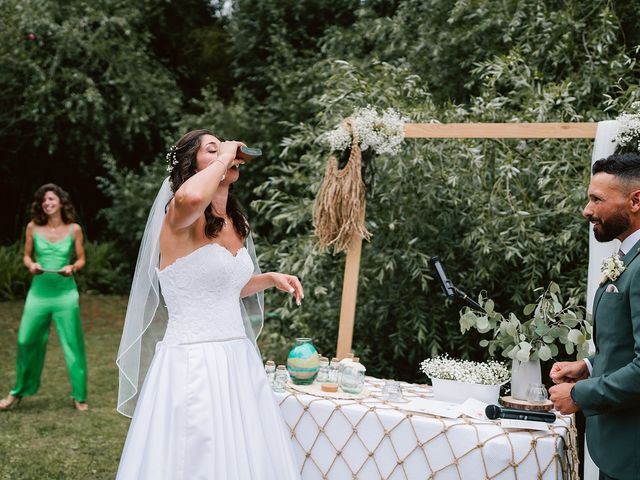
x=289 y=284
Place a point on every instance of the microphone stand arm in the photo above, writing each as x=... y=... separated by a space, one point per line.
x=467 y=299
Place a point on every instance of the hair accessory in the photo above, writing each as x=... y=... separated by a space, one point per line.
x=172 y=158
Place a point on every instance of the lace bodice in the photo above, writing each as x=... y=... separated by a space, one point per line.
x=202 y=294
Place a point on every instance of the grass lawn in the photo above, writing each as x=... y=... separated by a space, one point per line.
x=44 y=437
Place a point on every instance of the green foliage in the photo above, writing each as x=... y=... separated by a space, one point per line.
x=77 y=82
x=82 y=68
x=131 y=193
x=14 y=277
x=550 y=326
x=106 y=270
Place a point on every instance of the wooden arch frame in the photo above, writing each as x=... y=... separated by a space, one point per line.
x=438 y=130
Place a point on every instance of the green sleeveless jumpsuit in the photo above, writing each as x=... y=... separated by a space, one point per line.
x=51 y=296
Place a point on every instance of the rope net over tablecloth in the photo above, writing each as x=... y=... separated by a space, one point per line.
x=371 y=438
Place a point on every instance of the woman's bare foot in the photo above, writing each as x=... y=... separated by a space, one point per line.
x=80 y=406
x=8 y=402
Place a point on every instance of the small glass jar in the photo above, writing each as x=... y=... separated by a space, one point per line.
x=352 y=377
x=281 y=378
x=333 y=371
x=270 y=370
x=392 y=391
x=323 y=370
x=537 y=393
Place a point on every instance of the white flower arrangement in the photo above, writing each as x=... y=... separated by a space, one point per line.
x=612 y=267
x=383 y=133
x=466 y=371
x=628 y=136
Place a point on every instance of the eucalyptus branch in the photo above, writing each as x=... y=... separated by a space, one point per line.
x=550 y=326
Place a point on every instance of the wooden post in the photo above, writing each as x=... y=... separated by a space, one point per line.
x=444 y=130
x=349 y=296
x=500 y=130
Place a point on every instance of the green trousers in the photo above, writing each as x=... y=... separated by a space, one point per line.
x=51 y=297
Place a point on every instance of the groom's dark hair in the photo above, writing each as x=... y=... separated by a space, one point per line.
x=626 y=166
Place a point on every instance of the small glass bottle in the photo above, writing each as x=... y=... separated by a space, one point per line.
x=270 y=369
x=323 y=371
x=333 y=371
x=280 y=381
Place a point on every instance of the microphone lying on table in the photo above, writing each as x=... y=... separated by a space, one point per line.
x=494 y=411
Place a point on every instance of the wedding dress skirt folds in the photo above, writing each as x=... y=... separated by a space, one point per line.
x=206 y=410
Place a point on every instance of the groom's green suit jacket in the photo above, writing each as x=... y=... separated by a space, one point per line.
x=610 y=398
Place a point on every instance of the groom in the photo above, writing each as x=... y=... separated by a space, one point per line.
x=606 y=387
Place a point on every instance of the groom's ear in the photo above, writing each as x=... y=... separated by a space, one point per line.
x=634 y=198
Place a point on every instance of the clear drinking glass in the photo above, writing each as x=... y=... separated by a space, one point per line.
x=270 y=369
x=392 y=391
x=280 y=381
x=537 y=393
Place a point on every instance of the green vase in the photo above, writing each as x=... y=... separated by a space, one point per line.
x=303 y=362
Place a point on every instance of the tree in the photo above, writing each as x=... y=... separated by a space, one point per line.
x=77 y=82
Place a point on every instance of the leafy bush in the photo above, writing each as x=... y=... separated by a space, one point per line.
x=14 y=277
x=131 y=193
x=105 y=270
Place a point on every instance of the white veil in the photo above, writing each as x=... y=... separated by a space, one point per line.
x=146 y=318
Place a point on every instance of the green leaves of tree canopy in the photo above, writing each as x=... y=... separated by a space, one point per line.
x=76 y=82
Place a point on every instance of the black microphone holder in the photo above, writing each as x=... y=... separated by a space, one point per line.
x=450 y=290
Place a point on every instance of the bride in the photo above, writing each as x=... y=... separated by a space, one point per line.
x=190 y=372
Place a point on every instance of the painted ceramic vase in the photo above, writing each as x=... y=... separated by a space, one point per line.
x=303 y=362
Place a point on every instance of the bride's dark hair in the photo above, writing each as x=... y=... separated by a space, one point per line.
x=182 y=159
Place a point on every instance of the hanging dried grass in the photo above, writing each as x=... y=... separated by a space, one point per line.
x=338 y=212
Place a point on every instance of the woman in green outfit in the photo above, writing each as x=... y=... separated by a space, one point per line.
x=51 y=238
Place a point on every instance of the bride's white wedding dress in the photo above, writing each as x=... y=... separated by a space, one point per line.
x=206 y=410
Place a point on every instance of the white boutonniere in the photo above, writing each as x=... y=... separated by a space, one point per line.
x=612 y=267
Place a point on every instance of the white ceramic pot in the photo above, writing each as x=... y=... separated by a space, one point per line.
x=524 y=374
x=458 y=392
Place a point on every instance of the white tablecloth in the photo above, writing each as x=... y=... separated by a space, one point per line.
x=338 y=439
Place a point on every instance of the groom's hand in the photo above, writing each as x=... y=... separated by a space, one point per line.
x=569 y=372
x=560 y=395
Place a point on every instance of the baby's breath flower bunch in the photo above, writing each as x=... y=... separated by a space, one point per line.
x=382 y=133
x=466 y=371
x=628 y=136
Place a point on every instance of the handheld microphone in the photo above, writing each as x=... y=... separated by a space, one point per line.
x=494 y=411
x=446 y=284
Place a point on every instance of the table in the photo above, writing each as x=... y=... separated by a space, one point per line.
x=338 y=439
